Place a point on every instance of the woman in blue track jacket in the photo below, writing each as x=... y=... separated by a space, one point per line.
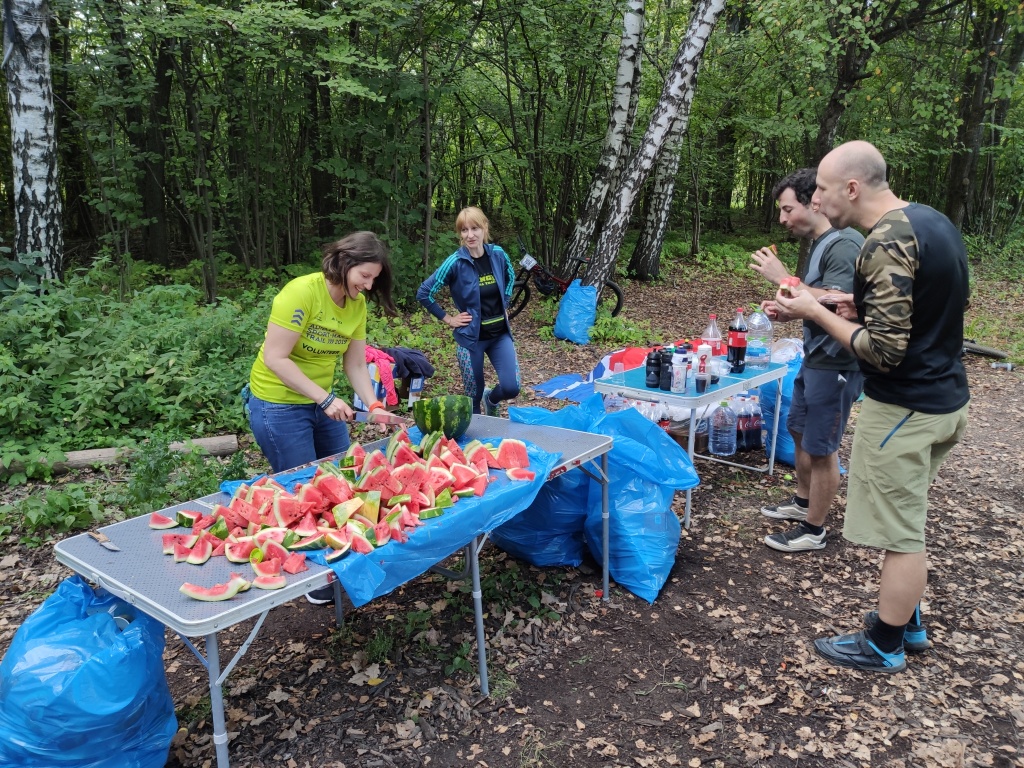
x=479 y=277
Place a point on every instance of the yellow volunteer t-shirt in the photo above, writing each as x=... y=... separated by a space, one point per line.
x=324 y=329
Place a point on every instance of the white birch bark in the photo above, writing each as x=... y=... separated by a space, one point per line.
x=619 y=123
x=674 y=104
x=646 y=259
x=38 y=230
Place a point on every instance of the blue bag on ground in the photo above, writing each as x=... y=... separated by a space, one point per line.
x=550 y=531
x=645 y=469
x=785 y=448
x=576 y=313
x=78 y=691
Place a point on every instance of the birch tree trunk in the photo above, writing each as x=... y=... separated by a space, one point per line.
x=645 y=262
x=615 y=136
x=673 y=105
x=38 y=230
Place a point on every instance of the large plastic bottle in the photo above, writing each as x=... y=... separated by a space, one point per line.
x=741 y=405
x=759 y=341
x=755 y=440
x=713 y=337
x=722 y=436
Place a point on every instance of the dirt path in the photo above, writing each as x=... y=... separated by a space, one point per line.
x=718 y=672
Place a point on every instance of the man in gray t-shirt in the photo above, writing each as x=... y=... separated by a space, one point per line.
x=829 y=380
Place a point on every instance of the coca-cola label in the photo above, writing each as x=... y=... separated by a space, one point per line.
x=737 y=338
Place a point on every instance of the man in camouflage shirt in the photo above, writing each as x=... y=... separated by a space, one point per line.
x=904 y=324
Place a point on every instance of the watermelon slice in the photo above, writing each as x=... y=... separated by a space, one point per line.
x=317 y=541
x=296 y=563
x=381 y=533
x=272 y=548
x=374 y=460
x=342 y=512
x=162 y=522
x=512 y=454
x=463 y=475
x=200 y=553
x=181 y=553
x=439 y=479
x=354 y=456
x=520 y=474
x=186 y=540
x=187 y=517
x=217 y=592
x=404 y=455
x=271 y=567
x=269 y=582
x=335 y=489
x=238 y=552
x=371 y=505
x=306 y=526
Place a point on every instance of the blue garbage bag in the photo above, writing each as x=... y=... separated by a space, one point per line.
x=77 y=690
x=576 y=313
x=549 y=532
x=645 y=469
x=785 y=448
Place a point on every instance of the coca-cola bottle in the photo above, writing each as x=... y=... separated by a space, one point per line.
x=737 y=342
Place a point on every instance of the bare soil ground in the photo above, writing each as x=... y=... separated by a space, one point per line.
x=719 y=671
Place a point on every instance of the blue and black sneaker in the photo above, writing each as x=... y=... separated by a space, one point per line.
x=858 y=652
x=915 y=636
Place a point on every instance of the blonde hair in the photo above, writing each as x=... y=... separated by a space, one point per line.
x=472 y=217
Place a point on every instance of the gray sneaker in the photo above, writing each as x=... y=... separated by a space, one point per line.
x=787 y=510
x=485 y=403
x=797 y=540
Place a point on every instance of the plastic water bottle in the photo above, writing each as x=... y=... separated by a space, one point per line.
x=722 y=439
x=759 y=341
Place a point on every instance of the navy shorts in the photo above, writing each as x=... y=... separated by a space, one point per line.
x=821 y=407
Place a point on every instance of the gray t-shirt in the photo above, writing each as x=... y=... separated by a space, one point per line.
x=834 y=268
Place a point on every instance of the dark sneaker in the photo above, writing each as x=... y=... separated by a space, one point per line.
x=800 y=539
x=485 y=402
x=788 y=510
x=858 y=652
x=915 y=636
x=321 y=596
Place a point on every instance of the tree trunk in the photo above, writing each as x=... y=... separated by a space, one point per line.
x=38 y=226
x=673 y=107
x=615 y=136
x=645 y=263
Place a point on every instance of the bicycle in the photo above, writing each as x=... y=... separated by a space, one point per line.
x=548 y=283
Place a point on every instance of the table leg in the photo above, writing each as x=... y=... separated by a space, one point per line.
x=605 y=521
x=339 y=611
x=220 y=732
x=691 y=436
x=478 y=609
x=775 y=427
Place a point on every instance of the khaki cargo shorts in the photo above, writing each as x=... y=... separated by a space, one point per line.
x=896 y=455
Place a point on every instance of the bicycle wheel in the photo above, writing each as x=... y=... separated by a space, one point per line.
x=978 y=349
x=520 y=296
x=610 y=298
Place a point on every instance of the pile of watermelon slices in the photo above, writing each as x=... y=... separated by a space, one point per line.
x=363 y=502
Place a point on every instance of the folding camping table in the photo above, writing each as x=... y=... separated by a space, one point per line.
x=632 y=384
x=148 y=580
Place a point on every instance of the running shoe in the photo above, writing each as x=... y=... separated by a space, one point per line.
x=788 y=510
x=858 y=652
x=800 y=539
x=915 y=636
x=489 y=410
x=322 y=595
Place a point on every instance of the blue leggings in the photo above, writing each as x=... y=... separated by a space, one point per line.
x=502 y=353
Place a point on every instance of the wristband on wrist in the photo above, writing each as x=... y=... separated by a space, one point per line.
x=327 y=401
x=377 y=404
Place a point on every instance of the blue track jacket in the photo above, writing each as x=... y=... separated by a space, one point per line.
x=458 y=273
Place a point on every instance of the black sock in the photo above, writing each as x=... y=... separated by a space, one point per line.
x=887 y=637
x=801 y=501
x=817 y=530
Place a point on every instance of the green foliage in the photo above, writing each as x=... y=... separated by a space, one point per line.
x=90 y=370
x=63 y=508
x=610 y=332
x=15 y=273
x=380 y=647
x=161 y=477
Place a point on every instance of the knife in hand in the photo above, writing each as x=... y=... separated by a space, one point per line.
x=382 y=417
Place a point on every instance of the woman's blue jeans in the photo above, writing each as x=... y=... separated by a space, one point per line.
x=291 y=435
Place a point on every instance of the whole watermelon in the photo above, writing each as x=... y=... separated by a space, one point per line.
x=449 y=414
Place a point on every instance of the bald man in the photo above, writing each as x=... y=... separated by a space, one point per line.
x=904 y=324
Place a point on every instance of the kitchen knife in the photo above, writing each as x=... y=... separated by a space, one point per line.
x=104 y=541
x=382 y=417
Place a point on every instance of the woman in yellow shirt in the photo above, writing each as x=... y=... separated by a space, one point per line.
x=317 y=318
